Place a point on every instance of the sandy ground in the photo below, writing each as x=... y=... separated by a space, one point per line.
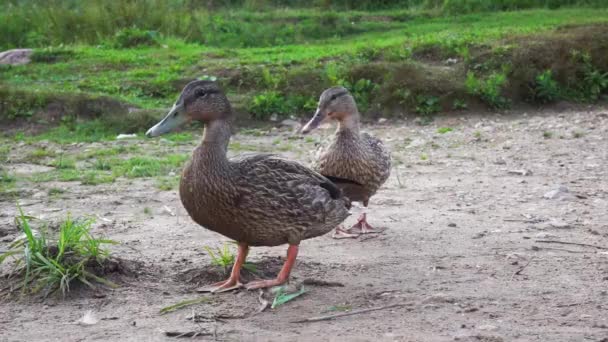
x=466 y=213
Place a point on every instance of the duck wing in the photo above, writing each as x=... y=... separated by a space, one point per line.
x=381 y=157
x=287 y=201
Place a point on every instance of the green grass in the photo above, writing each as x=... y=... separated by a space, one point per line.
x=107 y=170
x=45 y=264
x=63 y=162
x=443 y=130
x=224 y=258
x=126 y=74
x=7 y=181
x=167 y=183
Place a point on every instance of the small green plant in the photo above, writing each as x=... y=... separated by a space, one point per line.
x=47 y=265
x=424 y=156
x=223 y=257
x=362 y=90
x=7 y=181
x=102 y=164
x=459 y=104
x=147 y=211
x=40 y=153
x=490 y=89
x=402 y=95
x=578 y=134
x=546 y=88
x=547 y=134
x=263 y=105
x=55 y=191
x=443 y=130
x=595 y=82
x=427 y=105
x=62 y=162
x=132 y=37
x=477 y=135
x=96 y=178
x=167 y=183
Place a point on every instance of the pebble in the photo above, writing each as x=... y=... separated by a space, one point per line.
x=561 y=192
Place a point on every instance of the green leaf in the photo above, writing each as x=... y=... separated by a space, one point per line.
x=282 y=298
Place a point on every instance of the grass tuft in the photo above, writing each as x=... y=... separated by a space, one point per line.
x=46 y=265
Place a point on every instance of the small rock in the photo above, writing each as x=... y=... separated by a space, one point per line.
x=500 y=161
x=126 y=136
x=168 y=210
x=439 y=298
x=290 y=123
x=16 y=56
x=382 y=120
x=451 y=61
x=560 y=224
x=274 y=117
x=479 y=235
x=487 y=327
x=39 y=194
x=416 y=142
x=88 y=319
x=561 y=192
x=522 y=172
x=544 y=235
x=452 y=224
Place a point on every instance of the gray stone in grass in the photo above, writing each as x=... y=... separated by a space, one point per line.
x=16 y=56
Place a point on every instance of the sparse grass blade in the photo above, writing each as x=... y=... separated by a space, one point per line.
x=49 y=265
x=183 y=304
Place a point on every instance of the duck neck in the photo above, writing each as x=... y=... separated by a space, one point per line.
x=349 y=124
x=214 y=147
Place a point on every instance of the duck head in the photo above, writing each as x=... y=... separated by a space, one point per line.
x=335 y=103
x=201 y=101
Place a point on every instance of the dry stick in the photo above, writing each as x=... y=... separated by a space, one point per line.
x=560 y=249
x=356 y=312
x=522 y=268
x=571 y=243
x=398 y=178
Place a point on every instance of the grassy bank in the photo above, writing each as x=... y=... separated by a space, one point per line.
x=395 y=64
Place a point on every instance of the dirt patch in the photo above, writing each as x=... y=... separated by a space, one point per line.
x=464 y=209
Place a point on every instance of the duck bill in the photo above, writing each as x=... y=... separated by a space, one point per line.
x=316 y=120
x=175 y=118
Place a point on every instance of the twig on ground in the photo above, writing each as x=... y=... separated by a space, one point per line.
x=570 y=243
x=177 y=334
x=319 y=282
x=264 y=303
x=536 y=248
x=370 y=236
x=398 y=178
x=518 y=272
x=344 y=314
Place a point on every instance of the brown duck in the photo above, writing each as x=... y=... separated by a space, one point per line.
x=256 y=199
x=356 y=162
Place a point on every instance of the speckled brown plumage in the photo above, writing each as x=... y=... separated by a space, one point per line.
x=262 y=200
x=357 y=162
x=360 y=158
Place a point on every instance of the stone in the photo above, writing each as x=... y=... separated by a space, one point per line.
x=16 y=56
x=560 y=192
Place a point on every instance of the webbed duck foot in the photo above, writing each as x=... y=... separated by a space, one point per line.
x=292 y=253
x=341 y=233
x=222 y=286
x=363 y=227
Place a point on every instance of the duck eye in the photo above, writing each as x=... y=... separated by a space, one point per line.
x=201 y=93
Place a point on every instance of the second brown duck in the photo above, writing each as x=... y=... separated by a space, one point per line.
x=356 y=162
